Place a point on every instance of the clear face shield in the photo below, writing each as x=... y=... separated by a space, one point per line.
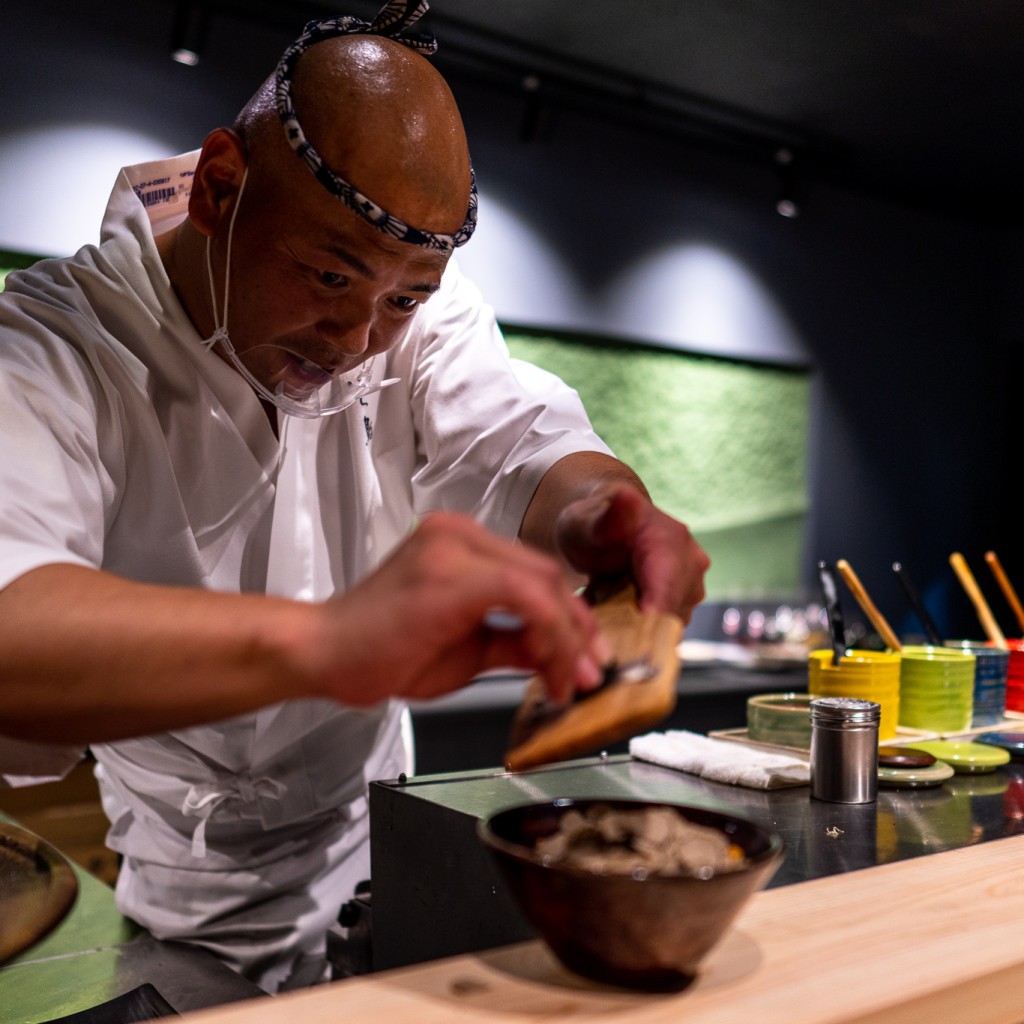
x=297 y=386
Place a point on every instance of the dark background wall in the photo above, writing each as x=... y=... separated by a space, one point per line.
x=911 y=320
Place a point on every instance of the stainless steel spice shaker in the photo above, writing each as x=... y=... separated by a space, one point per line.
x=844 y=750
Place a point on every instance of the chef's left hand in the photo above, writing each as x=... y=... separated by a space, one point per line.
x=616 y=531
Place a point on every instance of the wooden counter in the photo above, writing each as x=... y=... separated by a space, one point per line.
x=934 y=939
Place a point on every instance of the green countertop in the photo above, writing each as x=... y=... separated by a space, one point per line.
x=96 y=954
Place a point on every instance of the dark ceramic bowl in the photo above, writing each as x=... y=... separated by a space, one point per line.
x=647 y=933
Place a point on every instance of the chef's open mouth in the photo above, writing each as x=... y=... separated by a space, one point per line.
x=298 y=385
x=301 y=374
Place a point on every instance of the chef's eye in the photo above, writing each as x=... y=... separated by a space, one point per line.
x=406 y=302
x=330 y=279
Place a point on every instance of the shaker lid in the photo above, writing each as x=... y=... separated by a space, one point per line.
x=850 y=710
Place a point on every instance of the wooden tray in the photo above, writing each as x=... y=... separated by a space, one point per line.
x=903 y=735
x=1011 y=723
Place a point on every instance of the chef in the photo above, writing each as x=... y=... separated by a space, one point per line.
x=268 y=471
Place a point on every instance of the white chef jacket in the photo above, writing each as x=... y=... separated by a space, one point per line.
x=130 y=448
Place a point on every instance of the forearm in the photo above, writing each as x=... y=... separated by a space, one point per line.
x=87 y=657
x=576 y=476
x=594 y=513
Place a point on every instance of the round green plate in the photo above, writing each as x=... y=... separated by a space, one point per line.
x=915 y=778
x=965 y=756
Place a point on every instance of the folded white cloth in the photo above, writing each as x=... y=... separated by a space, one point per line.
x=720 y=760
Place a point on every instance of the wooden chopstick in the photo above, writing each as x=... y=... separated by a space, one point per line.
x=876 y=617
x=985 y=616
x=1003 y=580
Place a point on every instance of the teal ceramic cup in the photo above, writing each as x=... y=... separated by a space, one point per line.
x=990 y=672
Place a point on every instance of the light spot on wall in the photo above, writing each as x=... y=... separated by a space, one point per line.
x=55 y=182
x=519 y=273
x=699 y=296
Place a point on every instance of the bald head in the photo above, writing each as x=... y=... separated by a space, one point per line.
x=382 y=118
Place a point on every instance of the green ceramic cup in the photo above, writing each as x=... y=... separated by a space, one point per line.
x=780 y=718
x=936 y=688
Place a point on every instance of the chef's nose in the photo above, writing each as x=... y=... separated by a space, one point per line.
x=351 y=337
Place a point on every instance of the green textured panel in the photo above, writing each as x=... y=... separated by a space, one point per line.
x=720 y=443
x=10 y=260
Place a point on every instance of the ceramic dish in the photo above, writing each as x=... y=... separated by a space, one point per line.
x=904 y=757
x=915 y=778
x=1011 y=742
x=780 y=718
x=638 y=930
x=965 y=756
x=37 y=889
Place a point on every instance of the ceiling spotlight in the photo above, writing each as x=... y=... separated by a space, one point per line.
x=190 y=25
x=788 y=202
x=536 y=111
x=787 y=207
x=183 y=55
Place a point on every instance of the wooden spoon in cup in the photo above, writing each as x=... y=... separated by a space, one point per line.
x=1007 y=587
x=985 y=616
x=877 y=619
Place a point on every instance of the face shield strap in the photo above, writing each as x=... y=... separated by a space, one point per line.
x=390 y=22
x=332 y=397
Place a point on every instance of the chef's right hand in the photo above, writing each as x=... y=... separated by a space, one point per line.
x=417 y=627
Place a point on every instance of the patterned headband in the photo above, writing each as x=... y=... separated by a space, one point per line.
x=390 y=22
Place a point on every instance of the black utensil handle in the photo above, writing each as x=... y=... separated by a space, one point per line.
x=836 y=625
x=140 y=1004
x=916 y=602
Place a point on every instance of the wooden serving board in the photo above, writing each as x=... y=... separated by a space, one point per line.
x=624 y=707
x=937 y=938
x=1008 y=723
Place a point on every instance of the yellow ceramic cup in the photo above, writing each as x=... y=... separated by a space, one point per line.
x=867 y=675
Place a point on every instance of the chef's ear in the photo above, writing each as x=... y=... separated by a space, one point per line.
x=217 y=179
